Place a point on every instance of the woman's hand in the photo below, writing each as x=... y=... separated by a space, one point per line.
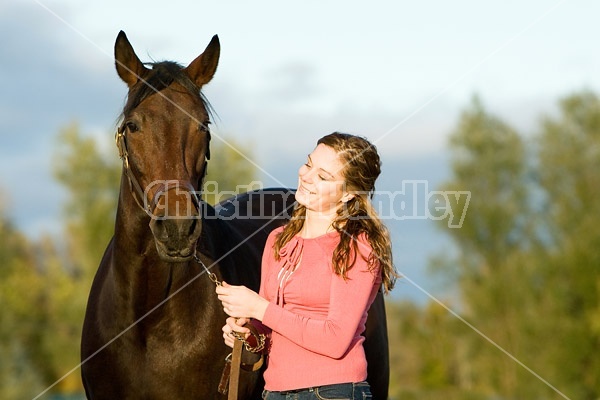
x=239 y=301
x=235 y=325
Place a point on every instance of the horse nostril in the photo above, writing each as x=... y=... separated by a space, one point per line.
x=157 y=226
x=195 y=229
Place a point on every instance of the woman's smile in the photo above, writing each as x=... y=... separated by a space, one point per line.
x=305 y=190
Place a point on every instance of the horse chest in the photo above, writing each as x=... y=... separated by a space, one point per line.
x=158 y=355
x=163 y=369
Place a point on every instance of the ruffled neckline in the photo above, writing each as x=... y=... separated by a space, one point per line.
x=292 y=250
x=291 y=256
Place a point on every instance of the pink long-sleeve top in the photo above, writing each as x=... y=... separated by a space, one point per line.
x=316 y=317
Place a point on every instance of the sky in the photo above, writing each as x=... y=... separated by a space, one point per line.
x=398 y=72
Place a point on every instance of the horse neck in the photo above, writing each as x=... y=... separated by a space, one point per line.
x=133 y=242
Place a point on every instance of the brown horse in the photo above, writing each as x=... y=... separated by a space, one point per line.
x=152 y=328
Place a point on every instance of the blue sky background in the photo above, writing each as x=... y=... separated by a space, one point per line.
x=398 y=72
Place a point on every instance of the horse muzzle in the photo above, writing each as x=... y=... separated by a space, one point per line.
x=176 y=221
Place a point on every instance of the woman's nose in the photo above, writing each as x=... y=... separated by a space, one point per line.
x=302 y=171
x=306 y=176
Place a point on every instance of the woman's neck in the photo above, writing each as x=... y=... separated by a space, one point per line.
x=316 y=224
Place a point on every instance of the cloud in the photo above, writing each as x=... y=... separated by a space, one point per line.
x=291 y=82
x=283 y=86
x=52 y=76
x=46 y=78
x=46 y=83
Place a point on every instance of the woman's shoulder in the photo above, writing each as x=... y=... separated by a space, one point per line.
x=273 y=235
x=276 y=231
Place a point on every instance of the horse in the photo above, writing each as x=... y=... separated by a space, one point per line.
x=152 y=328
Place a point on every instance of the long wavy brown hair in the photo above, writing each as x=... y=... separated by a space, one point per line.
x=356 y=217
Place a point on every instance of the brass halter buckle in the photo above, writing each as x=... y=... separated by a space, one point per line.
x=122 y=146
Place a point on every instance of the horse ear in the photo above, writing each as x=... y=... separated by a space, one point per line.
x=129 y=66
x=202 y=69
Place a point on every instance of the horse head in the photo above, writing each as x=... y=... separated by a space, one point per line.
x=163 y=141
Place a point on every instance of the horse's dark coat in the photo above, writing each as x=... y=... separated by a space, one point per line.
x=152 y=328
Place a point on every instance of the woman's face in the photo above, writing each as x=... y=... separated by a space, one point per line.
x=321 y=187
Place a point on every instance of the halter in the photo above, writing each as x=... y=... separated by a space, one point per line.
x=140 y=195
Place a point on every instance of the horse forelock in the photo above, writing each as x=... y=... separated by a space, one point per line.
x=162 y=75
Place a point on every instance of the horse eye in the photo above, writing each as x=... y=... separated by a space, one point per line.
x=204 y=127
x=131 y=126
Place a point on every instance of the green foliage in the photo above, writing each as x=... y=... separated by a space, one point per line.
x=529 y=251
x=40 y=319
x=489 y=161
x=230 y=170
x=20 y=283
x=428 y=349
x=569 y=173
x=92 y=182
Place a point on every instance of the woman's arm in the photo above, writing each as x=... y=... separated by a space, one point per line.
x=242 y=304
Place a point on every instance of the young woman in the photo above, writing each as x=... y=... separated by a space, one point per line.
x=320 y=274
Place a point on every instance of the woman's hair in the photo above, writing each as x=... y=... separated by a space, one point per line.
x=357 y=216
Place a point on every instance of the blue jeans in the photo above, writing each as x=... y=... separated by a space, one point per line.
x=339 y=391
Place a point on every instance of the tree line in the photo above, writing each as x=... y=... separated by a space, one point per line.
x=527 y=267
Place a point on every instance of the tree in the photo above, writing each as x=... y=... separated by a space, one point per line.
x=20 y=285
x=529 y=251
x=92 y=183
x=569 y=175
x=427 y=354
x=229 y=170
x=489 y=160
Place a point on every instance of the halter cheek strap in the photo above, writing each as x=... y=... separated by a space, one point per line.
x=134 y=186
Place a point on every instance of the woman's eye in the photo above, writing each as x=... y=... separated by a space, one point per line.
x=321 y=177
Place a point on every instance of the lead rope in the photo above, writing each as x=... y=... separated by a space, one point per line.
x=230 y=377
